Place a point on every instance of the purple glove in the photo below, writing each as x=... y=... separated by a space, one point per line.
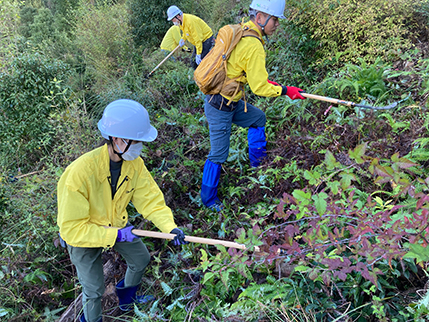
x=179 y=239
x=125 y=234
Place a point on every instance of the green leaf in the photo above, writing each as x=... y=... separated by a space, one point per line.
x=420 y=253
x=312 y=177
x=402 y=163
x=301 y=195
x=346 y=179
x=334 y=186
x=330 y=161
x=207 y=277
x=358 y=153
x=224 y=276
x=3 y=312
x=320 y=202
x=166 y=288
x=301 y=268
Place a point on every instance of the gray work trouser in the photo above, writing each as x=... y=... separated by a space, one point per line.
x=89 y=268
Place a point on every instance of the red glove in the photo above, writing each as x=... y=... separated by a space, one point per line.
x=274 y=83
x=293 y=92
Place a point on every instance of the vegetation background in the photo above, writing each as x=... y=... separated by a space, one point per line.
x=339 y=208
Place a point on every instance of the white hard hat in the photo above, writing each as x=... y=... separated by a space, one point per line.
x=172 y=12
x=127 y=119
x=274 y=8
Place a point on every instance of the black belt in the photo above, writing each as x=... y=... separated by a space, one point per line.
x=219 y=102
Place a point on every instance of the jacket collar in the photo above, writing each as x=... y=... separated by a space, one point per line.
x=252 y=26
x=104 y=165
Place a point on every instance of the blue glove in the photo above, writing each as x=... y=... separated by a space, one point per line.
x=181 y=42
x=179 y=239
x=198 y=59
x=125 y=234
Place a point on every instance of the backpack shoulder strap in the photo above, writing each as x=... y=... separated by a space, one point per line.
x=247 y=32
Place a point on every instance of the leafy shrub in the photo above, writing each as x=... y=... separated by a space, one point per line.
x=9 y=24
x=347 y=30
x=217 y=13
x=148 y=22
x=290 y=55
x=47 y=32
x=172 y=84
x=103 y=34
x=34 y=87
x=336 y=232
x=31 y=260
x=358 y=82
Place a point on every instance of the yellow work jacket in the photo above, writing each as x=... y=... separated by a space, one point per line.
x=171 y=39
x=86 y=208
x=248 y=59
x=196 y=31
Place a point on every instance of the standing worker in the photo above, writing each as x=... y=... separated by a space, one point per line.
x=171 y=40
x=245 y=65
x=194 y=30
x=93 y=194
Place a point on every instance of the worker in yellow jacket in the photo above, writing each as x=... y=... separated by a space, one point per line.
x=171 y=40
x=247 y=65
x=93 y=194
x=194 y=30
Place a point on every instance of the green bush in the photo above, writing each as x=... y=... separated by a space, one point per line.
x=103 y=34
x=47 y=33
x=148 y=22
x=29 y=92
x=9 y=24
x=346 y=30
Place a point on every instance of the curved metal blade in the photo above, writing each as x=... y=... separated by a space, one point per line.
x=388 y=107
x=393 y=105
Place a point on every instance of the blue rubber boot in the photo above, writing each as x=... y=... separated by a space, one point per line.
x=257 y=145
x=211 y=175
x=127 y=296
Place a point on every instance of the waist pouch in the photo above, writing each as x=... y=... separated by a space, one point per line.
x=219 y=102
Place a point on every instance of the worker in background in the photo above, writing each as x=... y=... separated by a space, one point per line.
x=171 y=40
x=245 y=65
x=93 y=194
x=194 y=30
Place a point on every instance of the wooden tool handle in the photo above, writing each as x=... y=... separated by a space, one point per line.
x=327 y=99
x=192 y=239
x=168 y=56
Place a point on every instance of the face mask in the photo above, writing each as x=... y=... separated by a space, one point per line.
x=133 y=151
x=176 y=23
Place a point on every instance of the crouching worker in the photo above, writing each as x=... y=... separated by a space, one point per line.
x=93 y=194
x=194 y=30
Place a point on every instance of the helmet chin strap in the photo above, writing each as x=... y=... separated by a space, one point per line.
x=180 y=20
x=119 y=154
x=263 y=27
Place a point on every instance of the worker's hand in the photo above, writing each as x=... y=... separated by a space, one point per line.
x=181 y=42
x=273 y=83
x=179 y=239
x=125 y=234
x=198 y=59
x=293 y=92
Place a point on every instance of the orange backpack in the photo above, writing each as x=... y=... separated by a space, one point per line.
x=211 y=73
